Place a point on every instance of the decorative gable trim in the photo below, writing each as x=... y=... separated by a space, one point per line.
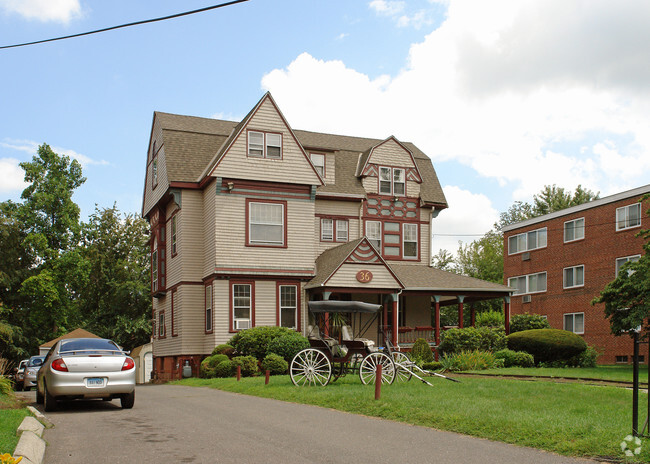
x=366 y=169
x=413 y=175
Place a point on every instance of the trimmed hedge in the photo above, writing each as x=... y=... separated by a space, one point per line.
x=225 y=369
x=209 y=364
x=515 y=358
x=255 y=341
x=526 y=321
x=287 y=345
x=471 y=339
x=421 y=351
x=547 y=345
x=248 y=365
x=224 y=349
x=275 y=364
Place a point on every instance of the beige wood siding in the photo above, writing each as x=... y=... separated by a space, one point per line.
x=209 y=242
x=338 y=208
x=346 y=277
x=417 y=310
x=353 y=234
x=168 y=345
x=330 y=168
x=191 y=304
x=153 y=195
x=174 y=263
x=370 y=184
x=221 y=292
x=187 y=265
x=412 y=189
x=293 y=168
x=265 y=302
x=391 y=153
x=231 y=237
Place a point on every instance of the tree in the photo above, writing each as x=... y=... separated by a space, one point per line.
x=553 y=198
x=113 y=288
x=519 y=211
x=443 y=261
x=627 y=298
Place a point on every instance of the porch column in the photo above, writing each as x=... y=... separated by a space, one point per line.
x=472 y=310
x=395 y=331
x=461 y=298
x=326 y=296
x=506 y=313
x=436 y=298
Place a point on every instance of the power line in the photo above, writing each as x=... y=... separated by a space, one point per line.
x=137 y=23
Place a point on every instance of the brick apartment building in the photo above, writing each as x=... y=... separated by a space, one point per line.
x=560 y=261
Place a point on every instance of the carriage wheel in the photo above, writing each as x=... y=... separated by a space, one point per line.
x=310 y=367
x=368 y=369
x=402 y=366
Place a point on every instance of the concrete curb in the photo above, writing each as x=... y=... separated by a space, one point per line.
x=30 y=445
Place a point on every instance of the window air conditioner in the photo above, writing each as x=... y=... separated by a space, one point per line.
x=525 y=256
x=241 y=324
x=526 y=299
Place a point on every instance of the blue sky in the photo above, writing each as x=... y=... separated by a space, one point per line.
x=504 y=96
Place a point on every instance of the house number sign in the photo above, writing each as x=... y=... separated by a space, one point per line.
x=364 y=276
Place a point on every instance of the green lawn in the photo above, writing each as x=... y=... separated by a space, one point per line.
x=10 y=419
x=571 y=419
x=621 y=373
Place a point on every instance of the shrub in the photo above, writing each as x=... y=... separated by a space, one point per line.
x=287 y=345
x=5 y=386
x=468 y=361
x=275 y=363
x=225 y=369
x=432 y=366
x=547 y=345
x=587 y=358
x=248 y=365
x=515 y=358
x=471 y=338
x=208 y=365
x=224 y=349
x=421 y=351
x=521 y=322
x=490 y=319
x=255 y=341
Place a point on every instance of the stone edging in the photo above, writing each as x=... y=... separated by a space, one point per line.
x=31 y=446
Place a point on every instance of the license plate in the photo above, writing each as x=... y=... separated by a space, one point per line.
x=95 y=382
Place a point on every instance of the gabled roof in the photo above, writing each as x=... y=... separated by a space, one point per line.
x=366 y=155
x=76 y=333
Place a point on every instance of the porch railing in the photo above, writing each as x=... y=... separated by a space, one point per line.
x=408 y=335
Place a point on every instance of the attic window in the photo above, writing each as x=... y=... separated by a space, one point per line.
x=391 y=181
x=264 y=145
x=318 y=160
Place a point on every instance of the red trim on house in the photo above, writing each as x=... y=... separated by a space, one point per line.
x=296 y=284
x=336 y=216
x=277 y=187
x=185 y=185
x=231 y=310
x=226 y=270
x=284 y=226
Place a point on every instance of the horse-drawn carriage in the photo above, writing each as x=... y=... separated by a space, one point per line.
x=329 y=358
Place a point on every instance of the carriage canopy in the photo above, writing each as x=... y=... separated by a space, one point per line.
x=334 y=306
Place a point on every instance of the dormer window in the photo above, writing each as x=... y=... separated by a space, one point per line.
x=318 y=160
x=392 y=181
x=264 y=145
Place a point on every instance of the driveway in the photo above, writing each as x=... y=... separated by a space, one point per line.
x=201 y=425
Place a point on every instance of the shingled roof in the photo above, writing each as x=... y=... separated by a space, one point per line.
x=191 y=143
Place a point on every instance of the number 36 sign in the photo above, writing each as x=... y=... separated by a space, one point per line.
x=364 y=276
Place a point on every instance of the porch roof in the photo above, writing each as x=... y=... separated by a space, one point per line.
x=429 y=279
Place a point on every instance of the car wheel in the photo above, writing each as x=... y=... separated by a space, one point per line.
x=39 y=397
x=49 y=401
x=128 y=400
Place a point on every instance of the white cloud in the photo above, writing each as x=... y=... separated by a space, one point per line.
x=11 y=176
x=44 y=10
x=31 y=147
x=386 y=7
x=525 y=92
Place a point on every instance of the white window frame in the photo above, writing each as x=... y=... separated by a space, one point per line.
x=161 y=324
x=624 y=260
x=318 y=160
x=573 y=270
x=414 y=228
x=391 y=181
x=235 y=306
x=280 y=224
x=575 y=227
x=285 y=306
x=342 y=230
x=326 y=230
x=573 y=322
x=374 y=237
x=623 y=216
x=523 y=239
x=209 y=315
x=154 y=268
x=528 y=283
x=260 y=148
x=174 y=234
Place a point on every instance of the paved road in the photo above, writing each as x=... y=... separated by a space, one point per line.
x=201 y=425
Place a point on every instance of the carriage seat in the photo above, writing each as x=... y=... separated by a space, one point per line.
x=313 y=333
x=346 y=332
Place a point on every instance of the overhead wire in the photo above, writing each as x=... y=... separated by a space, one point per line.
x=136 y=23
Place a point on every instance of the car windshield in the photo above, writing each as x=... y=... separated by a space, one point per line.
x=86 y=346
x=37 y=361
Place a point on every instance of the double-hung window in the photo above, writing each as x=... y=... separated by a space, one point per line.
x=318 y=160
x=264 y=145
x=266 y=223
x=628 y=216
x=333 y=230
x=241 y=306
x=174 y=234
x=527 y=241
x=575 y=322
x=161 y=324
x=341 y=230
x=410 y=239
x=208 y=308
x=392 y=181
x=621 y=261
x=531 y=283
x=574 y=276
x=288 y=313
x=326 y=230
x=574 y=230
x=154 y=269
x=373 y=232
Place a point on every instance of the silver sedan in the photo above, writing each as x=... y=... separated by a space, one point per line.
x=83 y=368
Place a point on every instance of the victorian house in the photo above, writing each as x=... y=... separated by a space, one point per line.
x=250 y=220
